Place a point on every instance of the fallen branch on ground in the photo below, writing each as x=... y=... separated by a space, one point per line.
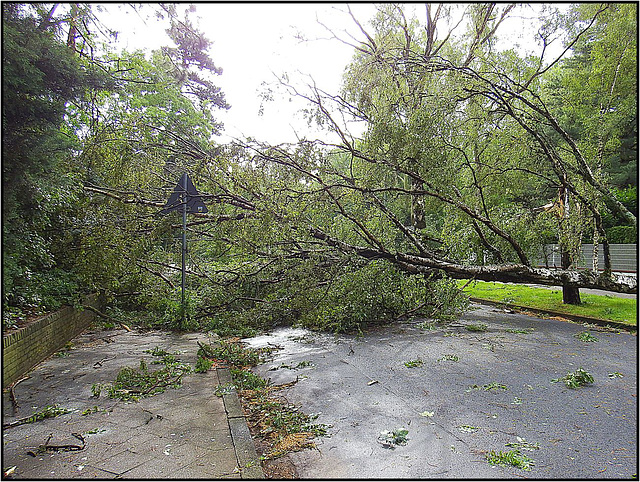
x=12 y=393
x=105 y=316
x=59 y=448
x=49 y=411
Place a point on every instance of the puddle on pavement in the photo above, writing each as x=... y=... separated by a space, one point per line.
x=295 y=342
x=280 y=337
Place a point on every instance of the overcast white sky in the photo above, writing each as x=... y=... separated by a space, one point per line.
x=252 y=42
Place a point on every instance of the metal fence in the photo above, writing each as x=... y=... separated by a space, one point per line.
x=624 y=257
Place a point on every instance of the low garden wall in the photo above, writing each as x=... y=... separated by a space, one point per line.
x=27 y=347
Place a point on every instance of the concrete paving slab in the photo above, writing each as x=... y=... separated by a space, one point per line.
x=208 y=438
x=212 y=465
x=52 y=467
x=125 y=461
x=180 y=434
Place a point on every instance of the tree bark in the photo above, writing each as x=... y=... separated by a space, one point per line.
x=417 y=206
x=506 y=273
x=570 y=293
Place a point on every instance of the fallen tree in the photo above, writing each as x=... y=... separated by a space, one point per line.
x=508 y=273
x=462 y=169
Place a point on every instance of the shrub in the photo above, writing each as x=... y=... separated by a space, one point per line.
x=49 y=290
x=622 y=235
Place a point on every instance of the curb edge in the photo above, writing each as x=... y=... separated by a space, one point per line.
x=243 y=446
x=576 y=318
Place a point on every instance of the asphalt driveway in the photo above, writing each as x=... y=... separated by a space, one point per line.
x=465 y=394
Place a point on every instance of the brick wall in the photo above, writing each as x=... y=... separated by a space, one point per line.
x=25 y=348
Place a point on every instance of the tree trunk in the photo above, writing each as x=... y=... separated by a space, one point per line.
x=596 y=242
x=417 y=202
x=506 y=273
x=570 y=293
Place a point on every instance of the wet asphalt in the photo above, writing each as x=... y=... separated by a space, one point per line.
x=361 y=387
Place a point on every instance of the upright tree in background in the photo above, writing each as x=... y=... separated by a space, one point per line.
x=192 y=66
x=457 y=174
x=596 y=88
x=471 y=134
x=75 y=114
x=41 y=76
x=160 y=124
x=594 y=93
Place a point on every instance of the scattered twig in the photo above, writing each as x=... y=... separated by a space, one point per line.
x=59 y=448
x=99 y=362
x=49 y=411
x=105 y=316
x=12 y=393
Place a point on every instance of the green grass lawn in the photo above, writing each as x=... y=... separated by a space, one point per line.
x=607 y=307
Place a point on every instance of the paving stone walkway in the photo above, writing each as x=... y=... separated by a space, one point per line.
x=182 y=433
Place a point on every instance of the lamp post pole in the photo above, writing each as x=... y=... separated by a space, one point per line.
x=184 y=247
x=185 y=197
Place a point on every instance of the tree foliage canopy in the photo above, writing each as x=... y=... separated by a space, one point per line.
x=471 y=157
x=469 y=136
